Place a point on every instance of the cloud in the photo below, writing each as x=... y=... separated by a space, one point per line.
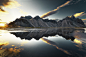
x=1 y=10
x=79 y=14
x=67 y=3
x=85 y=1
x=54 y=44
x=77 y=41
x=8 y=4
x=10 y=52
x=77 y=1
x=3 y=3
x=83 y=19
x=22 y=12
x=3 y=43
x=84 y=14
x=80 y=37
x=55 y=10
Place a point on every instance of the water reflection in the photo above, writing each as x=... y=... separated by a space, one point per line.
x=75 y=35
x=8 y=52
x=67 y=33
x=54 y=44
x=37 y=34
x=11 y=52
x=6 y=47
x=13 y=43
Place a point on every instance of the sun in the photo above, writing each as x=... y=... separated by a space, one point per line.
x=2 y=25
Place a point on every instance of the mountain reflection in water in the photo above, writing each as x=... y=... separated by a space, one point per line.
x=22 y=43
x=67 y=33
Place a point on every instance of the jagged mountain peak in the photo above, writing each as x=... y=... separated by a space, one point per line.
x=21 y=17
x=72 y=17
x=37 y=17
x=28 y=17
x=66 y=18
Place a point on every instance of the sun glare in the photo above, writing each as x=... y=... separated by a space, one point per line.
x=2 y=24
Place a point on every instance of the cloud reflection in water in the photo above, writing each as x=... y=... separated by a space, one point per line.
x=54 y=44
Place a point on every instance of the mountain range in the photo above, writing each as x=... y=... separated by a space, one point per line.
x=29 y=21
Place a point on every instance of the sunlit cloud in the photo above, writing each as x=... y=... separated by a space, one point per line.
x=84 y=14
x=13 y=45
x=15 y=50
x=3 y=43
x=83 y=19
x=80 y=39
x=13 y=4
x=22 y=12
x=55 y=10
x=79 y=14
x=54 y=44
x=16 y=11
x=1 y=10
x=77 y=41
x=8 y=4
x=11 y=52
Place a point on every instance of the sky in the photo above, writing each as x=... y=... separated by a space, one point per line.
x=17 y=8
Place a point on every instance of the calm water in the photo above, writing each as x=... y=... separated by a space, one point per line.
x=43 y=43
